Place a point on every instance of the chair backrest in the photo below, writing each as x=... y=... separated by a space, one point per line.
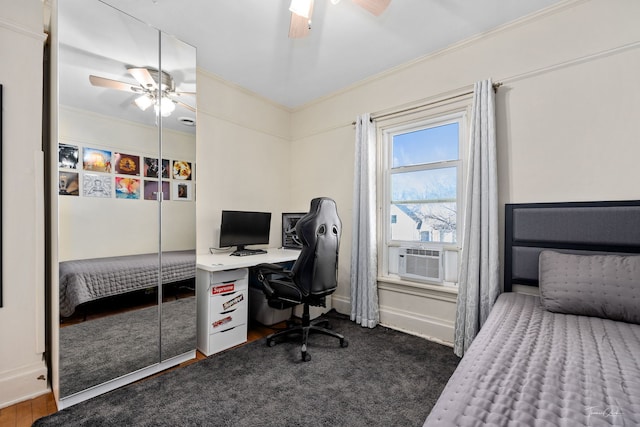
x=316 y=270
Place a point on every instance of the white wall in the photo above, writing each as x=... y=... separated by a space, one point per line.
x=94 y=227
x=23 y=373
x=244 y=158
x=566 y=126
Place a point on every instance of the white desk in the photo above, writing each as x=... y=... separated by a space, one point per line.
x=222 y=291
x=224 y=261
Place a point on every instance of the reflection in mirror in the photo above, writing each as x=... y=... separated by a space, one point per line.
x=178 y=327
x=118 y=143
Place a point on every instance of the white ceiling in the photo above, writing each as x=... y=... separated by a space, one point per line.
x=246 y=41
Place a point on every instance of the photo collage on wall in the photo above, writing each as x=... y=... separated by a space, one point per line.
x=94 y=172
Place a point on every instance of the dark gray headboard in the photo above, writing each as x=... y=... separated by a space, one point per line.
x=574 y=227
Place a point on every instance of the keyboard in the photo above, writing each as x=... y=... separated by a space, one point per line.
x=246 y=252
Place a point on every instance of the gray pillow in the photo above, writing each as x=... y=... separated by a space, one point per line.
x=605 y=286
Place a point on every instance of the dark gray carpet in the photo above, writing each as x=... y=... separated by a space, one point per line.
x=383 y=378
x=99 y=350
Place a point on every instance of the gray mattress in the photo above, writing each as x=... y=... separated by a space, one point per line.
x=91 y=279
x=532 y=367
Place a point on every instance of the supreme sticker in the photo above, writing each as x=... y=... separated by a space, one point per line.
x=221 y=321
x=232 y=302
x=221 y=289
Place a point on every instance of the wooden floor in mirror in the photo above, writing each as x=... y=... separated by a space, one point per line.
x=25 y=413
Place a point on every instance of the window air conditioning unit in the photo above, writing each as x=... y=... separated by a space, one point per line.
x=420 y=264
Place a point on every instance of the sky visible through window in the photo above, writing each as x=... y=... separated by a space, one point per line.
x=425 y=197
x=429 y=145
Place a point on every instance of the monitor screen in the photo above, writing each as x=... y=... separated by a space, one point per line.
x=240 y=228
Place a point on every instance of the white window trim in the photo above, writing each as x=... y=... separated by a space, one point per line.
x=435 y=113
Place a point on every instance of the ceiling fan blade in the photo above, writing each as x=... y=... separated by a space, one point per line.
x=113 y=84
x=179 y=93
x=143 y=77
x=299 y=25
x=374 y=6
x=187 y=106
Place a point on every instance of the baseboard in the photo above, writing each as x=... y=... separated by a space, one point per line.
x=23 y=384
x=431 y=328
x=341 y=304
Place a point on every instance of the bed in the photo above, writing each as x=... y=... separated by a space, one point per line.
x=88 y=280
x=569 y=356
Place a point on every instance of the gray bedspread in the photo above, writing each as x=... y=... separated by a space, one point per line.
x=532 y=367
x=91 y=279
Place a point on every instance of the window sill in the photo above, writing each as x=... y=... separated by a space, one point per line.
x=396 y=284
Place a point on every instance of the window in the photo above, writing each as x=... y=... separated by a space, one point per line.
x=423 y=179
x=421 y=156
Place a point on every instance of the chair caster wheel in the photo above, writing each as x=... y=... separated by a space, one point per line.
x=271 y=343
x=306 y=357
x=344 y=343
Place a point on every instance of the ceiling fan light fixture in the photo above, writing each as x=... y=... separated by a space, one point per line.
x=143 y=102
x=301 y=7
x=165 y=107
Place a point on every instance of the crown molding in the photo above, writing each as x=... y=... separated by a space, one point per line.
x=20 y=29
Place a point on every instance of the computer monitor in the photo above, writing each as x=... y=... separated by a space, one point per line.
x=241 y=228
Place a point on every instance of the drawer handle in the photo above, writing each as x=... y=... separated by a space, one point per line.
x=227 y=330
x=227 y=294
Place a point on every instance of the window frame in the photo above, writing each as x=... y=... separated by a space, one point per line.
x=436 y=114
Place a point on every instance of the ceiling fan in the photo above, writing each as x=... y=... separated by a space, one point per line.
x=301 y=11
x=162 y=97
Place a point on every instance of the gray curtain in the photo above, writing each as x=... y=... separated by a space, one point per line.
x=479 y=275
x=364 y=257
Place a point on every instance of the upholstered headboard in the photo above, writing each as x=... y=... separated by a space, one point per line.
x=571 y=227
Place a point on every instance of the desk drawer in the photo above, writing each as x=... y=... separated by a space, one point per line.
x=228 y=301
x=230 y=318
x=227 y=338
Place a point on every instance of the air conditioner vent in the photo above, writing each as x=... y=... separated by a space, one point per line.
x=423 y=252
x=420 y=264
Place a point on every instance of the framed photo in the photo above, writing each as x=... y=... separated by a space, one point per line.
x=182 y=191
x=126 y=164
x=181 y=170
x=68 y=156
x=97 y=185
x=152 y=170
x=96 y=160
x=289 y=237
x=151 y=189
x=127 y=188
x=68 y=184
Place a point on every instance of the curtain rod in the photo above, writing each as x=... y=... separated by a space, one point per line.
x=417 y=107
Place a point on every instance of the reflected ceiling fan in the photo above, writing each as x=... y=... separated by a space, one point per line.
x=163 y=100
x=301 y=11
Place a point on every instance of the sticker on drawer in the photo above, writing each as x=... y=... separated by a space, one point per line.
x=221 y=322
x=222 y=289
x=232 y=302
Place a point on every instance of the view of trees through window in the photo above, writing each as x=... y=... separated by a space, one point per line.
x=424 y=184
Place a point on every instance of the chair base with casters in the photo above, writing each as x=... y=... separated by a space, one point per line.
x=306 y=328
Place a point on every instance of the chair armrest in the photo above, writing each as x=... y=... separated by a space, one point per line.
x=267 y=268
x=265 y=271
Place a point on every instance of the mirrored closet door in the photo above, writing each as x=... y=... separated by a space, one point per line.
x=126 y=197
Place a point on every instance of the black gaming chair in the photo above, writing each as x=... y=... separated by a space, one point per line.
x=312 y=277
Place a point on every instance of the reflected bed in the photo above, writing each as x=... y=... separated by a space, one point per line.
x=88 y=280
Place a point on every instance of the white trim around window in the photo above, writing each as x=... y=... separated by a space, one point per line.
x=434 y=115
